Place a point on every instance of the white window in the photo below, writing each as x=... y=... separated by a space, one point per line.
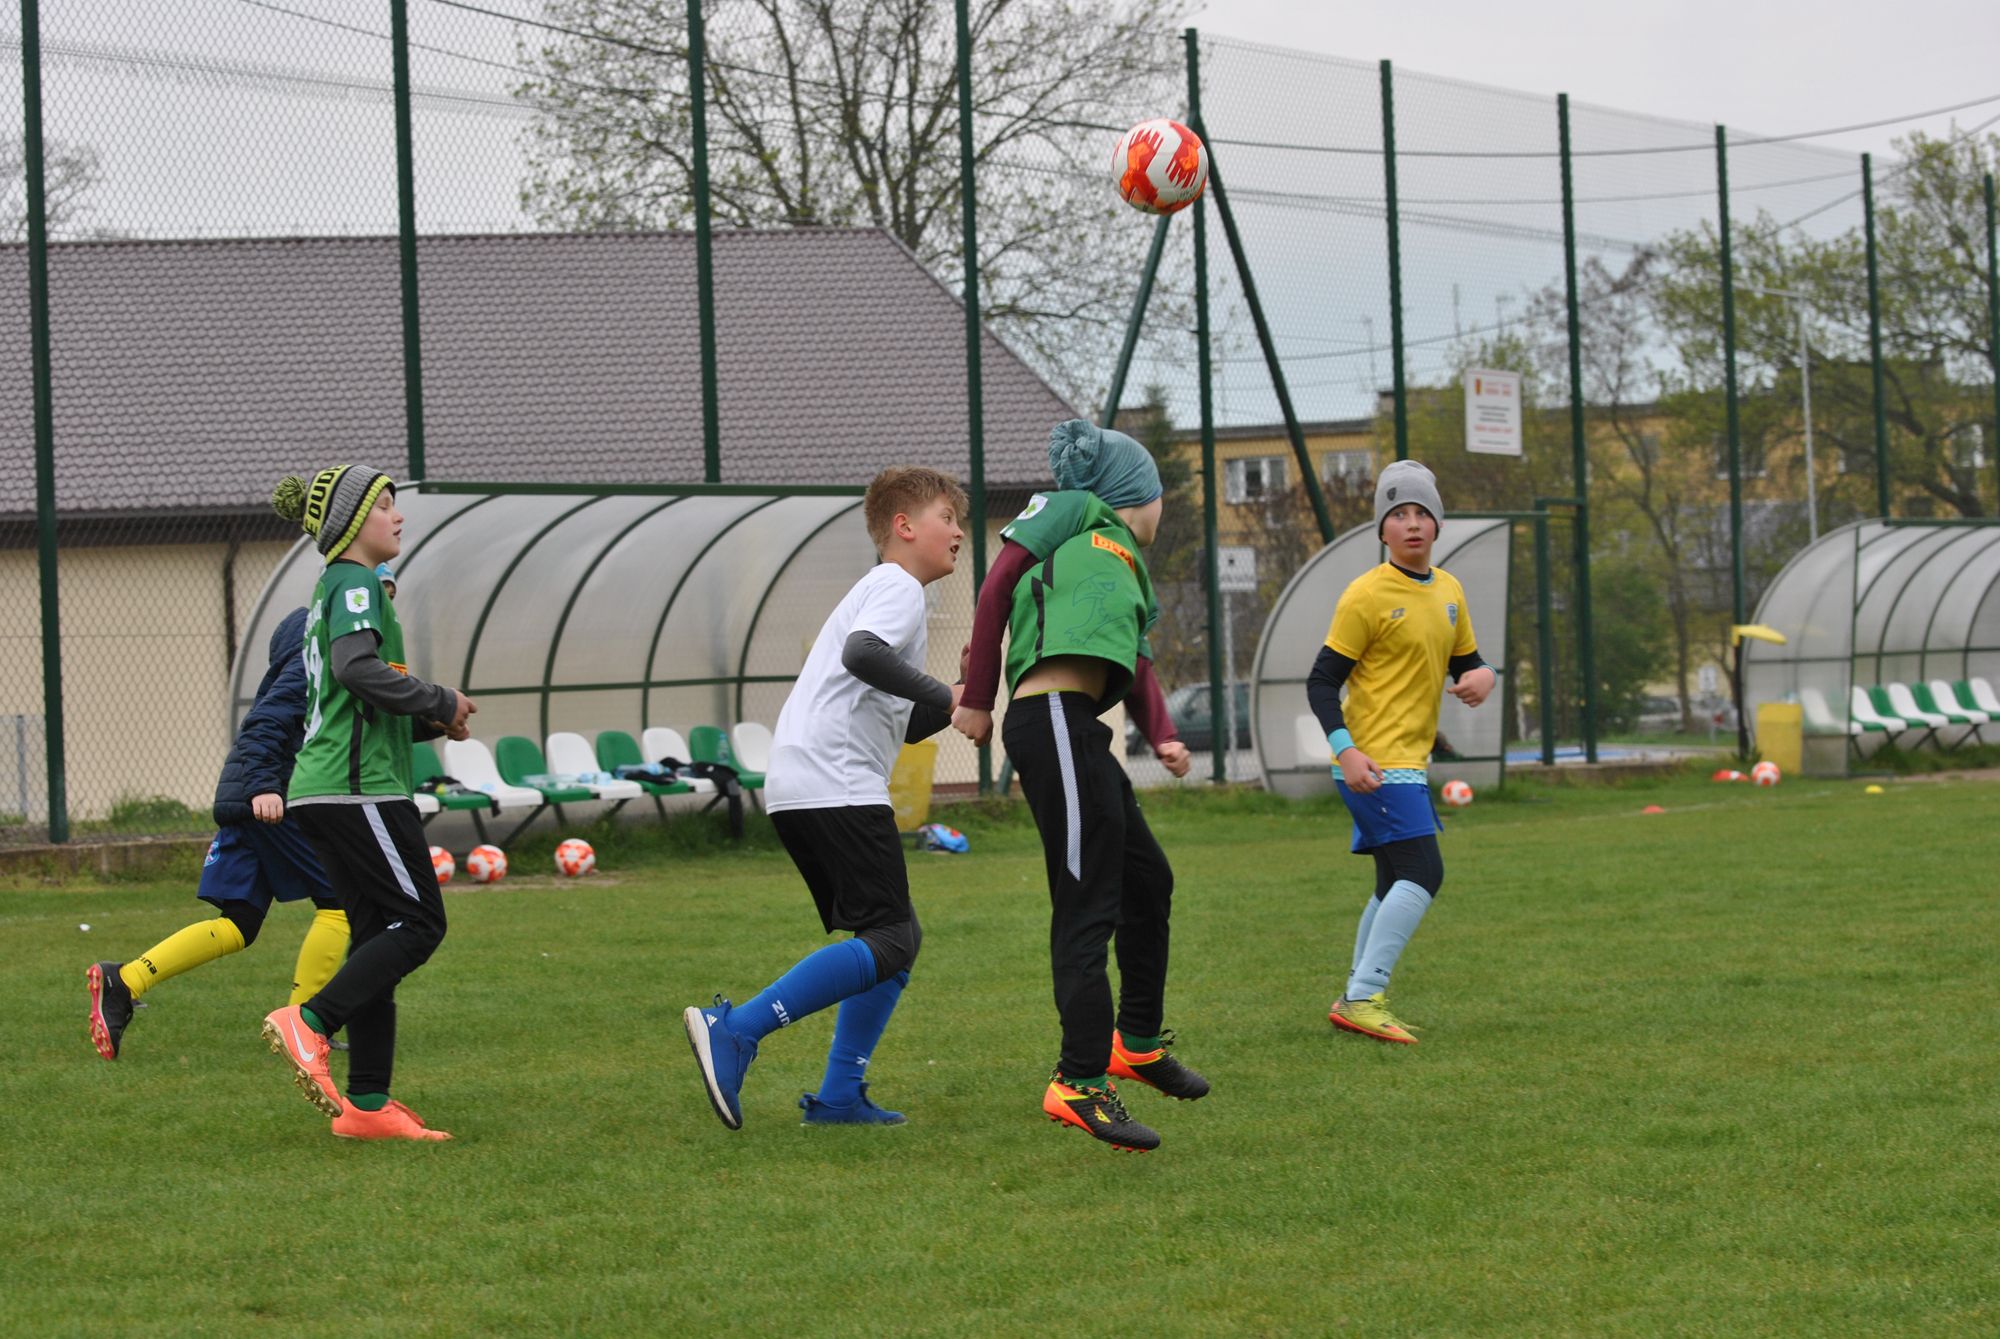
x=1253 y=478
x=1356 y=467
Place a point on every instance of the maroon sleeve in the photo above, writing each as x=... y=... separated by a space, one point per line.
x=1147 y=706
x=989 y=625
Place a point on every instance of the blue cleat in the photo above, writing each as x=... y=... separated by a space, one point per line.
x=723 y=1057
x=861 y=1111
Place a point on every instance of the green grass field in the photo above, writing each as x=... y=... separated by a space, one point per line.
x=1727 y=1070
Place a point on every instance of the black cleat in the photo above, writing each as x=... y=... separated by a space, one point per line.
x=1098 y=1111
x=110 y=1008
x=1157 y=1068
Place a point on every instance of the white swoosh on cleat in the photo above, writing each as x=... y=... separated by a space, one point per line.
x=306 y=1053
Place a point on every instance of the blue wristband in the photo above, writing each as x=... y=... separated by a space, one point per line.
x=1341 y=741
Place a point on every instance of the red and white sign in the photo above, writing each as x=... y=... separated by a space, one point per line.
x=1493 y=412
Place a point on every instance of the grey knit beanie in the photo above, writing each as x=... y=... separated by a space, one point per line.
x=332 y=506
x=1406 y=481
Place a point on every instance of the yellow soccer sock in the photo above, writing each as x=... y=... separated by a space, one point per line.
x=321 y=954
x=204 y=941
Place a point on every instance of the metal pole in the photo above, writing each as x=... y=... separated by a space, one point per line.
x=1314 y=493
x=975 y=406
x=1805 y=410
x=1211 y=557
x=1545 y=642
x=1729 y=389
x=1875 y=341
x=1395 y=261
x=45 y=431
x=704 y=259
x=406 y=239
x=1993 y=324
x=1116 y=394
x=1586 y=645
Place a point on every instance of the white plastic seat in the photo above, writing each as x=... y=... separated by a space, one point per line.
x=1861 y=709
x=751 y=743
x=1819 y=716
x=1309 y=741
x=570 y=754
x=1942 y=694
x=1983 y=698
x=472 y=763
x=663 y=741
x=426 y=804
x=1904 y=703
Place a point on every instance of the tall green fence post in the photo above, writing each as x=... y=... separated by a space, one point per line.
x=45 y=429
x=704 y=258
x=1586 y=649
x=1116 y=394
x=1393 y=214
x=406 y=240
x=975 y=410
x=1875 y=340
x=1545 y=642
x=1993 y=326
x=1729 y=388
x=1211 y=562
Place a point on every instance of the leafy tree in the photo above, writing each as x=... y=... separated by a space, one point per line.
x=846 y=112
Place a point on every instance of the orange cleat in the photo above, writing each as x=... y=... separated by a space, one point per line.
x=1371 y=1018
x=1156 y=1068
x=288 y=1034
x=394 y=1121
x=1098 y=1113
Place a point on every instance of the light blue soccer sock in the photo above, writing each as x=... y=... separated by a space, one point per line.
x=1361 y=932
x=855 y=1032
x=820 y=978
x=1402 y=910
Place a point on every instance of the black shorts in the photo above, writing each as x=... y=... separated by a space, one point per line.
x=852 y=860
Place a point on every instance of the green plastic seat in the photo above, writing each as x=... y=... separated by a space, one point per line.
x=518 y=759
x=616 y=749
x=424 y=766
x=710 y=743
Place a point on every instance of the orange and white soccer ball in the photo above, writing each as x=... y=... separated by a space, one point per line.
x=574 y=857
x=442 y=865
x=1160 y=166
x=1457 y=794
x=1766 y=773
x=486 y=864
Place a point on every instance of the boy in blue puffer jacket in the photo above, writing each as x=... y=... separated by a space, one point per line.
x=258 y=855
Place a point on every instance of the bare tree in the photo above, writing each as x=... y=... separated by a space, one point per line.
x=846 y=112
x=69 y=172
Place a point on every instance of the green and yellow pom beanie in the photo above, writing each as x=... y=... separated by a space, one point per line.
x=332 y=507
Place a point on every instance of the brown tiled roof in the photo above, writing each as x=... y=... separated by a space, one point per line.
x=194 y=374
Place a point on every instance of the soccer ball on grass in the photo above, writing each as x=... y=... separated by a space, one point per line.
x=442 y=865
x=575 y=858
x=1457 y=794
x=486 y=864
x=1766 y=773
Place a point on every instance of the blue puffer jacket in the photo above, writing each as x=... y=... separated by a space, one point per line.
x=260 y=761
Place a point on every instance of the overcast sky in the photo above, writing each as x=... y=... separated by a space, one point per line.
x=1768 y=66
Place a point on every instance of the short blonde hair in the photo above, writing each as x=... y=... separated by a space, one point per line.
x=904 y=490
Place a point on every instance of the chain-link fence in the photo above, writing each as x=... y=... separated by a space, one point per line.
x=514 y=242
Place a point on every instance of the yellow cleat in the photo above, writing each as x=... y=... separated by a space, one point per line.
x=1371 y=1018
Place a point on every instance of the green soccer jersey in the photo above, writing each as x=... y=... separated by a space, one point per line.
x=1090 y=596
x=351 y=748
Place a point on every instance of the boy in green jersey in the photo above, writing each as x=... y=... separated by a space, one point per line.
x=1078 y=603
x=350 y=792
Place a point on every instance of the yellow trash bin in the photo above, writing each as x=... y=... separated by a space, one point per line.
x=1781 y=735
x=910 y=785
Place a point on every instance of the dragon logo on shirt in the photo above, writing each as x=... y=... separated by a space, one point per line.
x=1089 y=603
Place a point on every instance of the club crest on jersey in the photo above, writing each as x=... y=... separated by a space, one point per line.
x=1395 y=614
x=357 y=600
x=1035 y=504
x=1451 y=614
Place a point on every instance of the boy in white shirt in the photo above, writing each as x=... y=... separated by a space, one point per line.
x=862 y=695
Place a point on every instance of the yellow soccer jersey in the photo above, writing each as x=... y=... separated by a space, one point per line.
x=1401 y=634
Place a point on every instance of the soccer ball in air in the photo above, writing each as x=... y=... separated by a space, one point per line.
x=1766 y=773
x=1457 y=794
x=486 y=864
x=442 y=865
x=1160 y=166
x=574 y=857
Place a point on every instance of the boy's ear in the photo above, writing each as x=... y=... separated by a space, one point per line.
x=903 y=526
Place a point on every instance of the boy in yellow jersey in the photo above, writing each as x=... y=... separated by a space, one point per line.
x=1398 y=631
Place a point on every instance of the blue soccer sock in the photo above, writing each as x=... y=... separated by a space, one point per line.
x=1396 y=919
x=855 y=1032
x=1361 y=932
x=821 y=978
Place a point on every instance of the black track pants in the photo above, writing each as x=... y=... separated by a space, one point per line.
x=1108 y=878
